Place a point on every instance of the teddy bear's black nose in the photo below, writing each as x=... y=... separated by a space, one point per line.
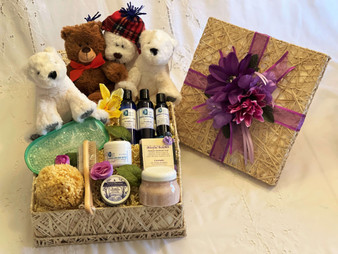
x=52 y=75
x=85 y=49
x=117 y=55
x=154 y=51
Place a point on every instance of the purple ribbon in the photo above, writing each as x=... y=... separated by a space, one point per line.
x=240 y=138
x=259 y=44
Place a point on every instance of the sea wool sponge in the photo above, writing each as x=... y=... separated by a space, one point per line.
x=59 y=186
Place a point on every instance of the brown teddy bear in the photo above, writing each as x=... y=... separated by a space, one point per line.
x=85 y=48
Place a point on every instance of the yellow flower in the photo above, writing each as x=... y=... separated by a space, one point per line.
x=110 y=102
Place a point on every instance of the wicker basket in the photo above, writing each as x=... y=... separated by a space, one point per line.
x=272 y=142
x=109 y=224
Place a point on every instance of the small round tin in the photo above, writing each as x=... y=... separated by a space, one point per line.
x=115 y=190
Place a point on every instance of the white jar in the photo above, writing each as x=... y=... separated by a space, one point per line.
x=118 y=153
x=159 y=187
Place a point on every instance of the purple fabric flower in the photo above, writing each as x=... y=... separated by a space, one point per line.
x=101 y=170
x=168 y=140
x=236 y=92
x=62 y=159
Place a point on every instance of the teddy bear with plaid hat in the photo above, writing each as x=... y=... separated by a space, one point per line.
x=122 y=30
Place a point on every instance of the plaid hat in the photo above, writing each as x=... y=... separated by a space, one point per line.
x=126 y=23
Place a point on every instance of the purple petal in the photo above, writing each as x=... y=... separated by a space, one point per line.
x=213 y=82
x=218 y=73
x=221 y=119
x=222 y=61
x=244 y=64
x=231 y=66
x=260 y=97
x=254 y=82
x=260 y=118
x=234 y=96
x=247 y=120
x=219 y=97
x=244 y=81
x=270 y=86
x=258 y=112
x=215 y=90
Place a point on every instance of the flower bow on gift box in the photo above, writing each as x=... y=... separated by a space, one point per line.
x=237 y=94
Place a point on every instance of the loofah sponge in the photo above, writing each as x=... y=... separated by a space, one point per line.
x=59 y=186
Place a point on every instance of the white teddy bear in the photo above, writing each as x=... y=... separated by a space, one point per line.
x=151 y=66
x=58 y=99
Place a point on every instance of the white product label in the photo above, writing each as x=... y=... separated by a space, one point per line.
x=118 y=157
x=128 y=118
x=162 y=116
x=145 y=118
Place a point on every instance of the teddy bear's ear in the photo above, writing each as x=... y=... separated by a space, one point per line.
x=97 y=25
x=50 y=50
x=65 y=32
x=143 y=36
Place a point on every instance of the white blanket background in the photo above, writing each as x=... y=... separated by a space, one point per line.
x=225 y=210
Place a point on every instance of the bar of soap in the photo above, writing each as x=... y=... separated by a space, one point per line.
x=42 y=151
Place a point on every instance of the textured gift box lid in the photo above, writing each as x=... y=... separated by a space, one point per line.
x=272 y=142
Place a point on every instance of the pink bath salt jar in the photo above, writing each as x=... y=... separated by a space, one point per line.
x=159 y=187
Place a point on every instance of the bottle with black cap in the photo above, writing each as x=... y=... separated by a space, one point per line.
x=145 y=116
x=128 y=115
x=161 y=115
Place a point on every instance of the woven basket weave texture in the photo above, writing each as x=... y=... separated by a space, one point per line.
x=126 y=222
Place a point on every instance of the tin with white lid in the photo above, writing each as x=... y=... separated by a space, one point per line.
x=159 y=187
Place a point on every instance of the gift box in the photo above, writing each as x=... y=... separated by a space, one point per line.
x=130 y=221
x=245 y=98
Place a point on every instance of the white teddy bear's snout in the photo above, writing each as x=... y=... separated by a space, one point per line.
x=52 y=75
x=154 y=51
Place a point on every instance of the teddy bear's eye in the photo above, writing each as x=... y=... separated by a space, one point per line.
x=116 y=44
x=38 y=73
x=122 y=46
x=80 y=45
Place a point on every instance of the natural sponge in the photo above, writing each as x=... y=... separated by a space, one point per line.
x=59 y=186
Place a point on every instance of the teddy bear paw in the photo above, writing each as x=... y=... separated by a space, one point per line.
x=47 y=128
x=170 y=98
x=53 y=126
x=104 y=120
x=34 y=136
x=87 y=114
x=101 y=115
x=176 y=99
x=128 y=85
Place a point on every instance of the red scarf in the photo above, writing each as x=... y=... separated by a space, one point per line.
x=79 y=68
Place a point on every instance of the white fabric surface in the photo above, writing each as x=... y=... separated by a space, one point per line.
x=225 y=210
